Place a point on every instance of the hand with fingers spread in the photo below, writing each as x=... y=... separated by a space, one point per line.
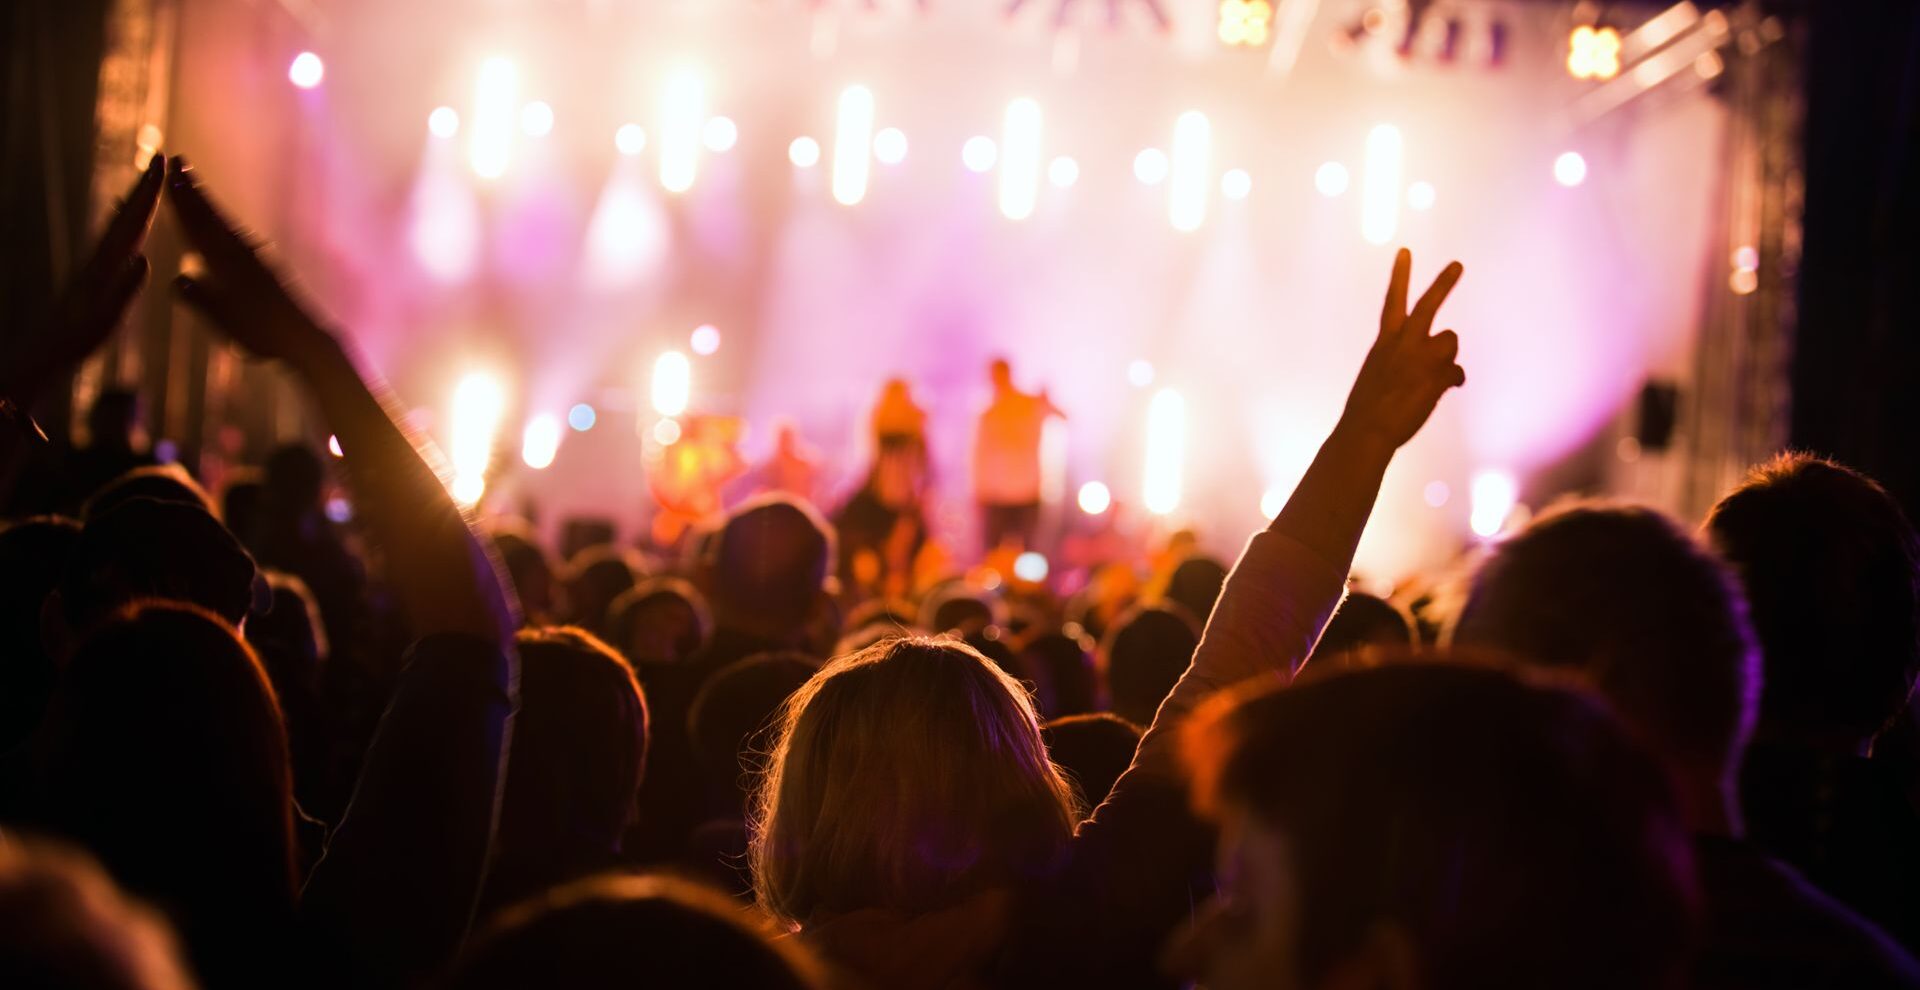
x=1409 y=367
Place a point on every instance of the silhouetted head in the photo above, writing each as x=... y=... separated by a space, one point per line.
x=160 y=482
x=1195 y=585
x=660 y=620
x=1831 y=568
x=595 y=577
x=144 y=548
x=732 y=716
x=1435 y=826
x=621 y=932
x=1094 y=750
x=1065 y=667
x=960 y=610
x=295 y=478
x=769 y=567
x=63 y=924
x=579 y=750
x=908 y=777
x=1363 y=622
x=112 y=418
x=1640 y=610
x=1001 y=374
x=289 y=636
x=1144 y=655
x=242 y=504
x=33 y=553
x=528 y=567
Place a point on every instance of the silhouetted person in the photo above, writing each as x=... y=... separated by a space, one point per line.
x=290 y=639
x=1195 y=585
x=160 y=482
x=1143 y=656
x=1364 y=622
x=140 y=549
x=661 y=620
x=65 y=926
x=296 y=536
x=1832 y=569
x=595 y=577
x=530 y=570
x=765 y=579
x=33 y=553
x=1006 y=461
x=1094 y=750
x=1065 y=666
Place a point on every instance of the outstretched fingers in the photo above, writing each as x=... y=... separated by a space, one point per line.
x=1429 y=305
x=1394 y=311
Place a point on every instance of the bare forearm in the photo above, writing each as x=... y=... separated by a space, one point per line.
x=1329 y=508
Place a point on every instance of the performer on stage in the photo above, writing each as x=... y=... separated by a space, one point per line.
x=1006 y=461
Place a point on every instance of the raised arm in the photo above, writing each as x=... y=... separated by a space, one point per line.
x=445 y=581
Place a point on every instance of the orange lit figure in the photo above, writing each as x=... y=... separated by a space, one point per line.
x=686 y=476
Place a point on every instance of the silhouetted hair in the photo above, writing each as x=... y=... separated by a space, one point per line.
x=1831 y=567
x=1094 y=749
x=1144 y=655
x=909 y=777
x=1515 y=834
x=143 y=548
x=772 y=558
x=242 y=504
x=1361 y=622
x=579 y=750
x=732 y=716
x=959 y=610
x=1195 y=585
x=660 y=620
x=160 y=482
x=33 y=553
x=64 y=925
x=528 y=567
x=1651 y=618
x=595 y=577
x=1064 y=667
x=624 y=932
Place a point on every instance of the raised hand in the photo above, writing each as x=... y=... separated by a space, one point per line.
x=1409 y=366
x=238 y=292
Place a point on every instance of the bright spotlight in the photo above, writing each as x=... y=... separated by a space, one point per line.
x=630 y=139
x=1420 y=196
x=1271 y=502
x=1331 y=179
x=804 y=152
x=306 y=70
x=443 y=122
x=705 y=339
x=333 y=446
x=1593 y=53
x=1063 y=172
x=1380 y=205
x=672 y=383
x=536 y=119
x=853 y=145
x=540 y=441
x=1570 y=169
x=582 y=417
x=1140 y=372
x=491 y=142
x=478 y=402
x=666 y=432
x=682 y=114
x=1030 y=567
x=720 y=134
x=1192 y=152
x=1020 y=159
x=890 y=146
x=979 y=153
x=1493 y=496
x=1236 y=184
x=1094 y=498
x=1166 y=451
x=1150 y=166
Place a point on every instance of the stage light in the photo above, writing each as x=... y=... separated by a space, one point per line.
x=1020 y=159
x=853 y=145
x=804 y=152
x=1063 y=172
x=478 y=402
x=443 y=122
x=630 y=139
x=1593 y=53
x=890 y=146
x=536 y=119
x=443 y=222
x=1420 y=196
x=540 y=441
x=306 y=70
x=1746 y=258
x=333 y=446
x=720 y=134
x=1150 y=166
x=1140 y=372
x=1331 y=179
x=1166 y=451
x=682 y=114
x=1236 y=184
x=672 y=383
x=1245 y=23
x=582 y=417
x=1493 y=496
x=1271 y=502
x=1743 y=281
x=1094 y=498
x=1570 y=169
x=666 y=432
x=491 y=142
x=705 y=339
x=1380 y=205
x=1436 y=493
x=979 y=153
x=1030 y=567
x=1192 y=171
x=339 y=510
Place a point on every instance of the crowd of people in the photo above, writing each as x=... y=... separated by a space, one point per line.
x=241 y=745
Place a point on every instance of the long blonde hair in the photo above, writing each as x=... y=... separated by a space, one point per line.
x=907 y=776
